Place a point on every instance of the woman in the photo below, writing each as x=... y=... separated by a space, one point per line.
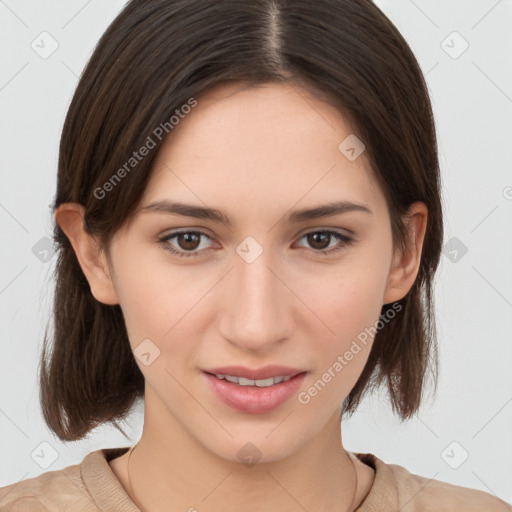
x=249 y=221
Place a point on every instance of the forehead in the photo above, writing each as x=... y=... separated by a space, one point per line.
x=271 y=147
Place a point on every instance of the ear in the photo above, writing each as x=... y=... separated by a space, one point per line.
x=405 y=266
x=94 y=263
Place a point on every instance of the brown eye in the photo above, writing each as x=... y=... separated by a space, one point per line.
x=187 y=243
x=320 y=241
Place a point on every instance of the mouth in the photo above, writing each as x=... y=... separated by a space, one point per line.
x=231 y=373
x=254 y=391
x=261 y=383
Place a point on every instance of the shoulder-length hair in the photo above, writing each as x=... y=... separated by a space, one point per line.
x=152 y=60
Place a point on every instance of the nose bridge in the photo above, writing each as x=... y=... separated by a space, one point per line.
x=258 y=313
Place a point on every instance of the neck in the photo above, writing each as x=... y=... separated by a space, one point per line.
x=170 y=471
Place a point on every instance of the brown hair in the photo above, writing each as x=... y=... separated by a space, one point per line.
x=153 y=58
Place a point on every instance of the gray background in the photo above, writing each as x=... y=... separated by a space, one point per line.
x=471 y=91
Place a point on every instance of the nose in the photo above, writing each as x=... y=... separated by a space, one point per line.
x=258 y=309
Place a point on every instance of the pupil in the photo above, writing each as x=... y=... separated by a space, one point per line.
x=313 y=240
x=190 y=238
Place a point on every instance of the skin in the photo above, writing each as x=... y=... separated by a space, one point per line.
x=256 y=154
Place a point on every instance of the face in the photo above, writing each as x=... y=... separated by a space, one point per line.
x=269 y=287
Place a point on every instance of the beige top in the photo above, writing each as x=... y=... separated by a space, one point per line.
x=91 y=486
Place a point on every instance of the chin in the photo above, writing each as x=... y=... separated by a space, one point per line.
x=258 y=448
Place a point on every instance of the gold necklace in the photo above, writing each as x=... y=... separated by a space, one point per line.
x=129 y=479
x=142 y=510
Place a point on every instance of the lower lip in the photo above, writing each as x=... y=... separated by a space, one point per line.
x=252 y=399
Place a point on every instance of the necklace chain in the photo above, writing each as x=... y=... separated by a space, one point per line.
x=139 y=506
x=129 y=479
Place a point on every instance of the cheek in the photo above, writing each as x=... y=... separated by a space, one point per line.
x=160 y=301
x=348 y=302
x=351 y=296
x=146 y=291
x=350 y=307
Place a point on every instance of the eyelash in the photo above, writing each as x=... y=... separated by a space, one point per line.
x=344 y=238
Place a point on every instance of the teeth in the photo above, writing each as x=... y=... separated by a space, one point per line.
x=261 y=383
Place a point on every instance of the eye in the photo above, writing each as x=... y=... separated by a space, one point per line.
x=189 y=242
x=321 y=240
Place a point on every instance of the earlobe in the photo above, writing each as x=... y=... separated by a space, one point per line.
x=406 y=264
x=94 y=264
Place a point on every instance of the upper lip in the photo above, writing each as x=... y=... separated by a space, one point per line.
x=255 y=374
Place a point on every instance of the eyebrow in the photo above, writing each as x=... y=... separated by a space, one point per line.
x=296 y=216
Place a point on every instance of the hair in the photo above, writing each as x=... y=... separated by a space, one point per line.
x=151 y=61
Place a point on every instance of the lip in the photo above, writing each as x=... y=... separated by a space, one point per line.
x=253 y=399
x=256 y=374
